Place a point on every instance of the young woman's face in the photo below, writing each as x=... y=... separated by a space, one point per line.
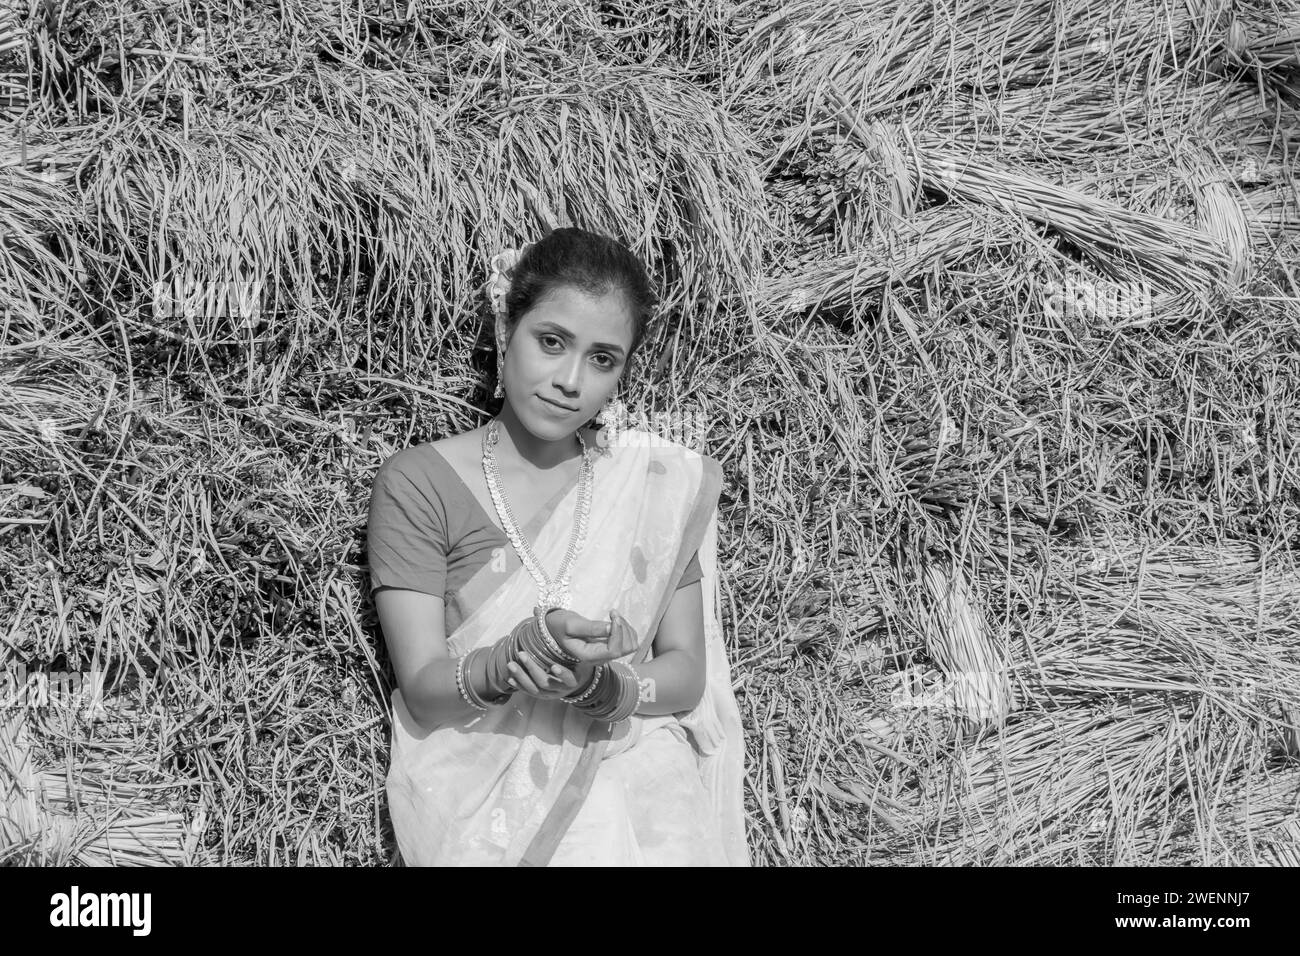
x=564 y=360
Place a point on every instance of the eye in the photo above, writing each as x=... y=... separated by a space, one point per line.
x=552 y=342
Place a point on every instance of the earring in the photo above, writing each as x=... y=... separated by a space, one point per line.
x=600 y=415
x=501 y=367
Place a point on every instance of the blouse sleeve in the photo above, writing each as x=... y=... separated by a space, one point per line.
x=406 y=533
x=692 y=573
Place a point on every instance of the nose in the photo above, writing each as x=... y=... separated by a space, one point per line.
x=568 y=377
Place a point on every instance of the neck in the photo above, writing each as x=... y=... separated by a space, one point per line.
x=522 y=445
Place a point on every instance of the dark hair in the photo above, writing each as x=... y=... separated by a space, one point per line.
x=595 y=264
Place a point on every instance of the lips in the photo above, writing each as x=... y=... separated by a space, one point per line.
x=554 y=404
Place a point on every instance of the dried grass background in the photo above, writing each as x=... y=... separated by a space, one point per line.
x=991 y=309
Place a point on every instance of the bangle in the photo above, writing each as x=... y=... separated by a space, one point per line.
x=471 y=662
x=460 y=683
x=591 y=686
x=645 y=687
x=565 y=658
x=629 y=697
x=478 y=666
x=525 y=637
x=618 y=696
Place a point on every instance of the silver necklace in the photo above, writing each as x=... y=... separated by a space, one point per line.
x=551 y=593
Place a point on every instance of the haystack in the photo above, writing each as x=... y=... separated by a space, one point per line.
x=988 y=309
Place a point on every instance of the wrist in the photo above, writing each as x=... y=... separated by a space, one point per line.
x=588 y=676
x=550 y=622
x=583 y=673
x=613 y=696
x=499 y=656
x=481 y=672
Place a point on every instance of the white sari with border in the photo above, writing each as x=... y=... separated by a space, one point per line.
x=536 y=782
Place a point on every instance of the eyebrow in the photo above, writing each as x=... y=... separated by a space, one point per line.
x=565 y=333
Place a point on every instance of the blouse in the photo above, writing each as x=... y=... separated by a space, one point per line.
x=427 y=532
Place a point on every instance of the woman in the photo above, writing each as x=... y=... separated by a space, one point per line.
x=549 y=608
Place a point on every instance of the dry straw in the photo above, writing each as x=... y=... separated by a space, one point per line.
x=241 y=268
x=976 y=688
x=97 y=816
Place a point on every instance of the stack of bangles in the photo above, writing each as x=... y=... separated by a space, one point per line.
x=612 y=693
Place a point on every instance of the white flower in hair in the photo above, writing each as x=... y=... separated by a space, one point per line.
x=503 y=268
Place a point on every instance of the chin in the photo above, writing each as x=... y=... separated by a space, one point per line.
x=551 y=430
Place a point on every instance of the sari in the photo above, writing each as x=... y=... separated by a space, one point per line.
x=536 y=782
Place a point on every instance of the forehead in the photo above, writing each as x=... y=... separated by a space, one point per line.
x=603 y=317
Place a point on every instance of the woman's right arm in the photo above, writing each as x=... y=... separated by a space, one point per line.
x=406 y=540
x=414 y=628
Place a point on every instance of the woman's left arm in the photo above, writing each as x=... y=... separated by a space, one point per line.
x=674 y=680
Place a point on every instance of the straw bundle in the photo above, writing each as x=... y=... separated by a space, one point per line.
x=976 y=688
x=939 y=238
x=1266 y=47
x=1172 y=255
x=220 y=228
x=85 y=814
x=41 y=262
x=1273 y=214
x=1221 y=216
x=13 y=49
x=1091 y=120
x=889 y=55
x=1200 y=692
x=13 y=34
x=1149 y=752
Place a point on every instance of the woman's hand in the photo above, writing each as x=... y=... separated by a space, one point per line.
x=592 y=642
x=533 y=680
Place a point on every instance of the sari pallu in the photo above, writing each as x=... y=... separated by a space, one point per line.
x=535 y=781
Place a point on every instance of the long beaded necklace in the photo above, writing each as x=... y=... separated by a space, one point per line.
x=551 y=593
